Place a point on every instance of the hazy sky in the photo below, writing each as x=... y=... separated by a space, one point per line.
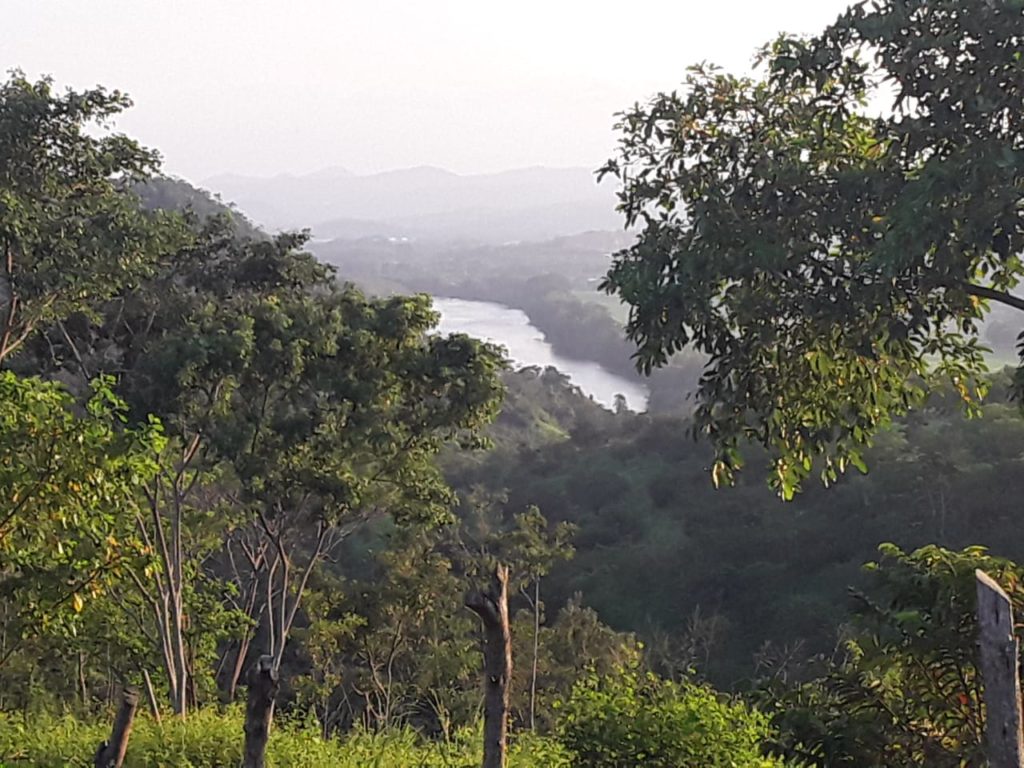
x=291 y=86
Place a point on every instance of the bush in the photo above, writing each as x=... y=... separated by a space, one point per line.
x=632 y=719
x=212 y=739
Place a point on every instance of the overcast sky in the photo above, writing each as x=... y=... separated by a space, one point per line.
x=292 y=86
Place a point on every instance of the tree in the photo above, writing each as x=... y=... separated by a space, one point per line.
x=533 y=547
x=69 y=484
x=187 y=507
x=325 y=408
x=70 y=232
x=829 y=266
x=491 y=605
x=72 y=235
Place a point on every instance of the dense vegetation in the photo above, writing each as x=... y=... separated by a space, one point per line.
x=227 y=473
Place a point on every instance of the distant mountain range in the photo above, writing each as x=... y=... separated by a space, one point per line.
x=428 y=203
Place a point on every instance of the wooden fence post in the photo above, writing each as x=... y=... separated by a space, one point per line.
x=110 y=754
x=1000 y=674
x=492 y=608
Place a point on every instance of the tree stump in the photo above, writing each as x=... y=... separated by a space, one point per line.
x=263 y=687
x=492 y=608
x=110 y=754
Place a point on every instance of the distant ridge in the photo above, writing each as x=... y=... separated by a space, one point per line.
x=427 y=202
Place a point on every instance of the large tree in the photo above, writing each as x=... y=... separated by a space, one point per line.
x=830 y=265
x=71 y=235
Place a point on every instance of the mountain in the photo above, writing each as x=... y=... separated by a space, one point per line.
x=428 y=203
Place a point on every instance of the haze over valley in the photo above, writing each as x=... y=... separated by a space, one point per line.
x=427 y=203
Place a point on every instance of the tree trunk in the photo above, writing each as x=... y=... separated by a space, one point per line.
x=110 y=754
x=536 y=652
x=1000 y=674
x=492 y=608
x=236 y=670
x=263 y=687
x=154 y=706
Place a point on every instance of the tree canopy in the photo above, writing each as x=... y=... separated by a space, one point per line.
x=69 y=234
x=829 y=264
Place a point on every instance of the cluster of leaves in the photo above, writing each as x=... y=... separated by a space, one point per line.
x=70 y=484
x=70 y=236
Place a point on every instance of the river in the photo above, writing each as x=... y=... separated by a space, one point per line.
x=525 y=345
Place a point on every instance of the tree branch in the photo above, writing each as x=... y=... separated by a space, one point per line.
x=984 y=292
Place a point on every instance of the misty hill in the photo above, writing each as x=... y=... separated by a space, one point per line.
x=172 y=194
x=428 y=203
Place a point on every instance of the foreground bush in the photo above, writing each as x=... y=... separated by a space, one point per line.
x=210 y=739
x=637 y=719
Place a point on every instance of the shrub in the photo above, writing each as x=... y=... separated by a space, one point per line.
x=633 y=718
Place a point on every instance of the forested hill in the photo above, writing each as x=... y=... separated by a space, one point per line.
x=729 y=579
x=172 y=194
x=709 y=578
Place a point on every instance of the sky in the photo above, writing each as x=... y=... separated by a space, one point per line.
x=263 y=88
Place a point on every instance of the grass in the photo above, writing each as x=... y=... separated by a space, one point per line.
x=213 y=739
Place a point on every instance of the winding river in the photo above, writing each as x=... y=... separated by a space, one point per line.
x=525 y=345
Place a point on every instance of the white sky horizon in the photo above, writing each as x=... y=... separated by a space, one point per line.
x=261 y=88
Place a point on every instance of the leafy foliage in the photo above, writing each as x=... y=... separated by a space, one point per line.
x=69 y=482
x=632 y=718
x=826 y=263
x=70 y=233
x=907 y=691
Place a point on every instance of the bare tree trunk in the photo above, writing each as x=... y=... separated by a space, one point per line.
x=263 y=687
x=165 y=592
x=154 y=707
x=110 y=754
x=492 y=608
x=1000 y=674
x=81 y=681
x=247 y=576
x=536 y=652
x=236 y=669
